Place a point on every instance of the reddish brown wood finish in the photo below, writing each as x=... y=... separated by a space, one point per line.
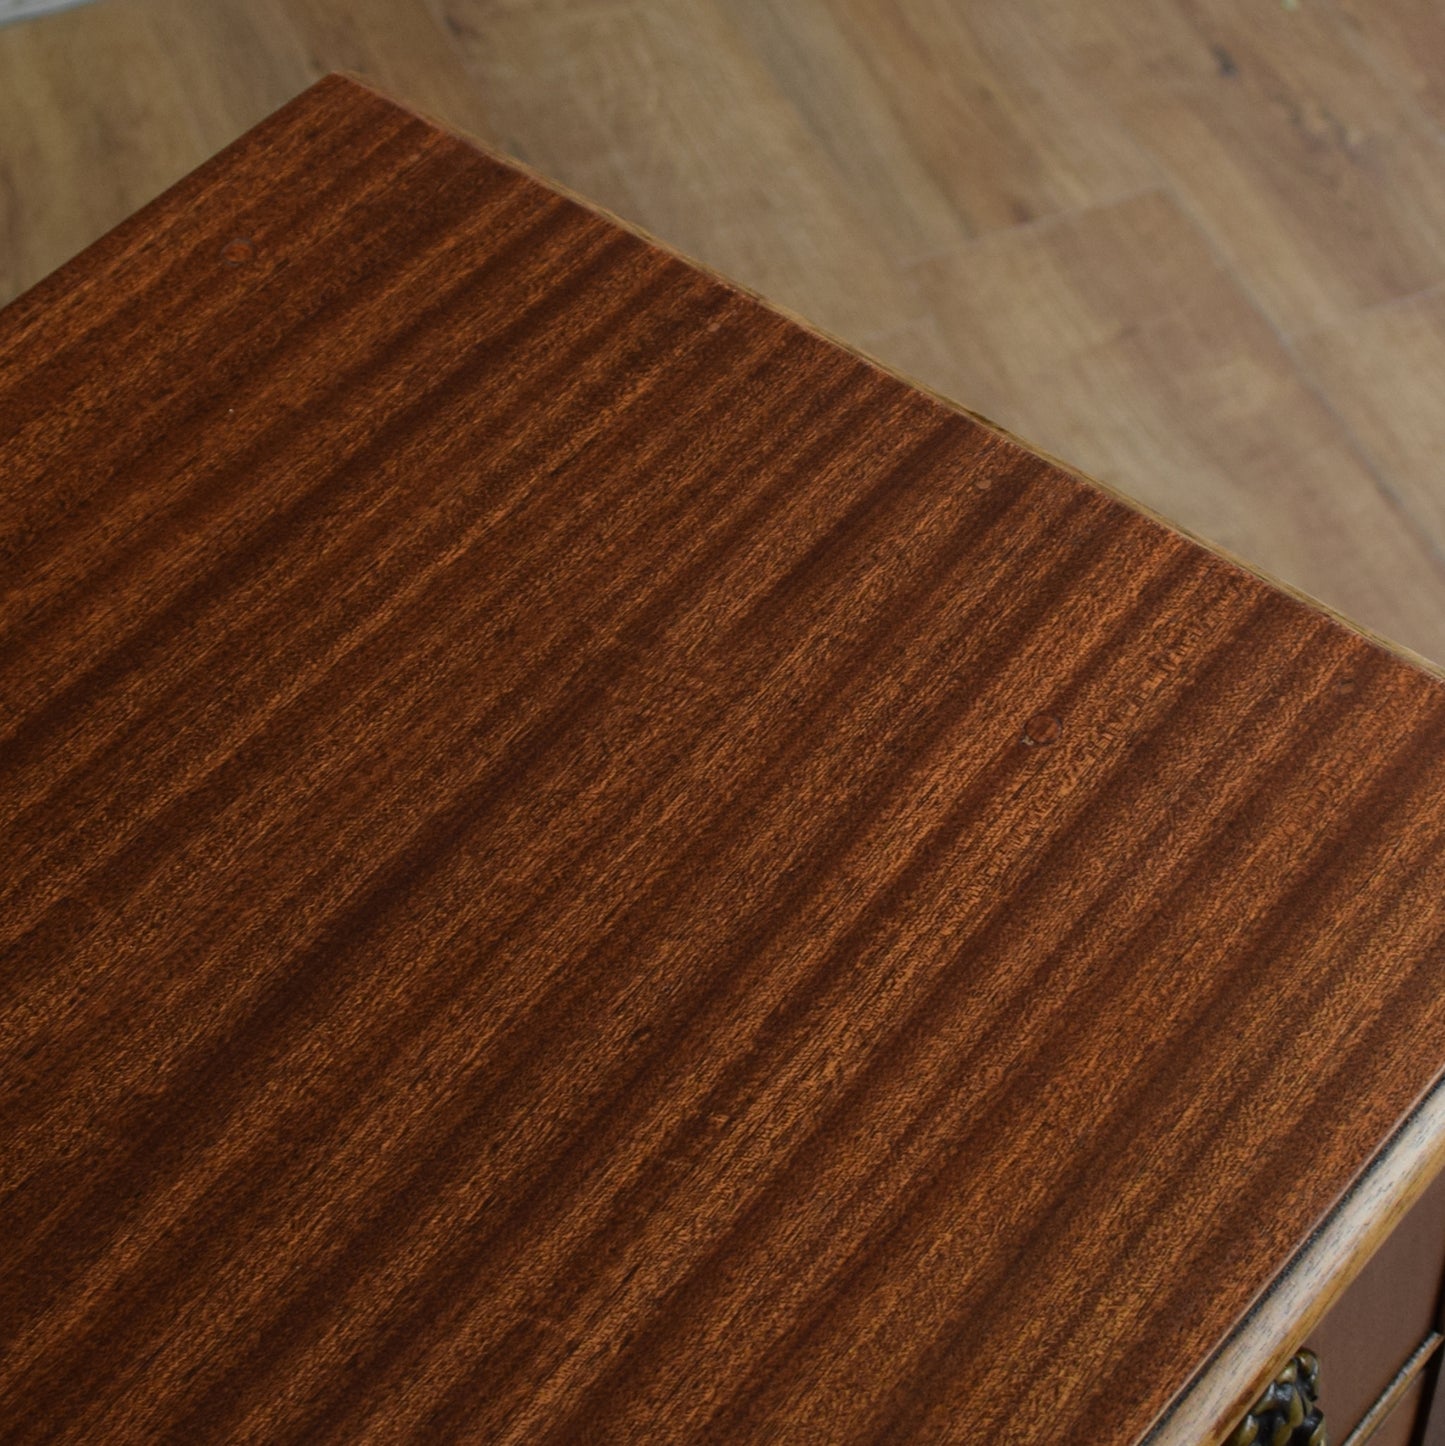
x=583 y=865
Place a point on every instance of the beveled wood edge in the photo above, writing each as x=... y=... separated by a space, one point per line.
x=1400 y=1386
x=1399 y=650
x=1208 y=1408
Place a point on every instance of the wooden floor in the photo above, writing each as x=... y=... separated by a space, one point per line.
x=1196 y=247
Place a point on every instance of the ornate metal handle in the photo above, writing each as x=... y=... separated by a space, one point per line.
x=1287 y=1412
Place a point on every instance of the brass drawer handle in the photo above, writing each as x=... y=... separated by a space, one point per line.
x=1287 y=1412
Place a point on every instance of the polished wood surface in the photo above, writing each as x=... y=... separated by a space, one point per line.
x=1197 y=246
x=587 y=864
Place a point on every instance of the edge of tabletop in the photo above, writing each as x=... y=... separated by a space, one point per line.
x=1278 y=1323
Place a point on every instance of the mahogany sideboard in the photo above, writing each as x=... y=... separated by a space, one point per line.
x=582 y=863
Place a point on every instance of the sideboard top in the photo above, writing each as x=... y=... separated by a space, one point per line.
x=583 y=863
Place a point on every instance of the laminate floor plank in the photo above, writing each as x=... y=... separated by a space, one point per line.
x=94 y=122
x=1383 y=371
x=1408 y=36
x=986 y=105
x=1318 y=179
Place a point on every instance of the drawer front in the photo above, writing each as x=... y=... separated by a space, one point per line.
x=1379 y=1323
x=1434 y=1434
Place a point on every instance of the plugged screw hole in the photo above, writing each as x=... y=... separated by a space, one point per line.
x=1043 y=729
